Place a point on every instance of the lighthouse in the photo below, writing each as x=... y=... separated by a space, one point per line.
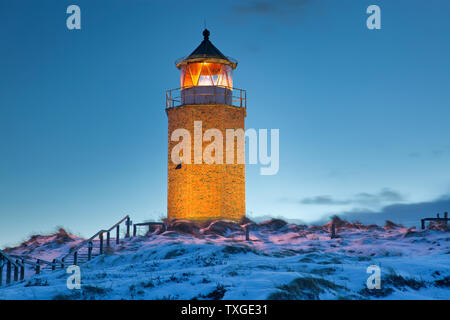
x=200 y=189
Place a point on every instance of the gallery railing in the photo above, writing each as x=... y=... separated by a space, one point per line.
x=206 y=95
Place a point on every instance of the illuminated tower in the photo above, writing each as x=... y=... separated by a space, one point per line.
x=202 y=191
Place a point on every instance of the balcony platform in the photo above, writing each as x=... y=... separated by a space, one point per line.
x=204 y=95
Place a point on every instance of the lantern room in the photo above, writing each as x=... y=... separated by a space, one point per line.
x=196 y=74
x=206 y=77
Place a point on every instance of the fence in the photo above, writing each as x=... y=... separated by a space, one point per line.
x=88 y=245
x=445 y=219
x=15 y=264
x=15 y=267
x=150 y=225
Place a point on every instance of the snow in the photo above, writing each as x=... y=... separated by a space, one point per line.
x=174 y=265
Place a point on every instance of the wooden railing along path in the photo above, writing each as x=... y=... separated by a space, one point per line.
x=150 y=225
x=83 y=252
x=17 y=265
x=445 y=219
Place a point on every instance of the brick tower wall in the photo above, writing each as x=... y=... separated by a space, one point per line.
x=201 y=192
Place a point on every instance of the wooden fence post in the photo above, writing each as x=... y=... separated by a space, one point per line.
x=117 y=234
x=62 y=263
x=333 y=230
x=22 y=270
x=1 y=271
x=38 y=266
x=101 y=243
x=90 y=245
x=108 y=239
x=16 y=271
x=135 y=230
x=247 y=232
x=128 y=227
x=75 y=258
x=54 y=265
x=422 y=223
x=446 y=217
x=8 y=272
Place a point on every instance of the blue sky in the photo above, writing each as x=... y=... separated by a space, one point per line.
x=363 y=115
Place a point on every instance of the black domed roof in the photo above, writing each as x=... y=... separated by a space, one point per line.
x=206 y=51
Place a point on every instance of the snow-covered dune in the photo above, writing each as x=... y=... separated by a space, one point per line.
x=281 y=261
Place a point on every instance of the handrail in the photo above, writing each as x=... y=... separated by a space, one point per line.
x=83 y=243
x=28 y=261
x=438 y=218
x=149 y=224
x=18 y=267
x=17 y=264
x=174 y=97
x=115 y=226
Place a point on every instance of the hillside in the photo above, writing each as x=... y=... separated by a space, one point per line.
x=281 y=261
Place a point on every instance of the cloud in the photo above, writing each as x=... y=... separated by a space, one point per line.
x=361 y=199
x=414 y=155
x=406 y=214
x=270 y=7
x=438 y=153
x=385 y=195
x=324 y=200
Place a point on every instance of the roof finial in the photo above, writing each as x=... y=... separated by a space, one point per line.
x=206 y=34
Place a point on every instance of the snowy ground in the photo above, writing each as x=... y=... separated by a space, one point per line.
x=280 y=262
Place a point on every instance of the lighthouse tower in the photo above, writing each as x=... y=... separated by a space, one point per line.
x=202 y=190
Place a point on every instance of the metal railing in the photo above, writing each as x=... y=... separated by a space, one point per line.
x=180 y=96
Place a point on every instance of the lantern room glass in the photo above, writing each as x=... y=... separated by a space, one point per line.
x=206 y=74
